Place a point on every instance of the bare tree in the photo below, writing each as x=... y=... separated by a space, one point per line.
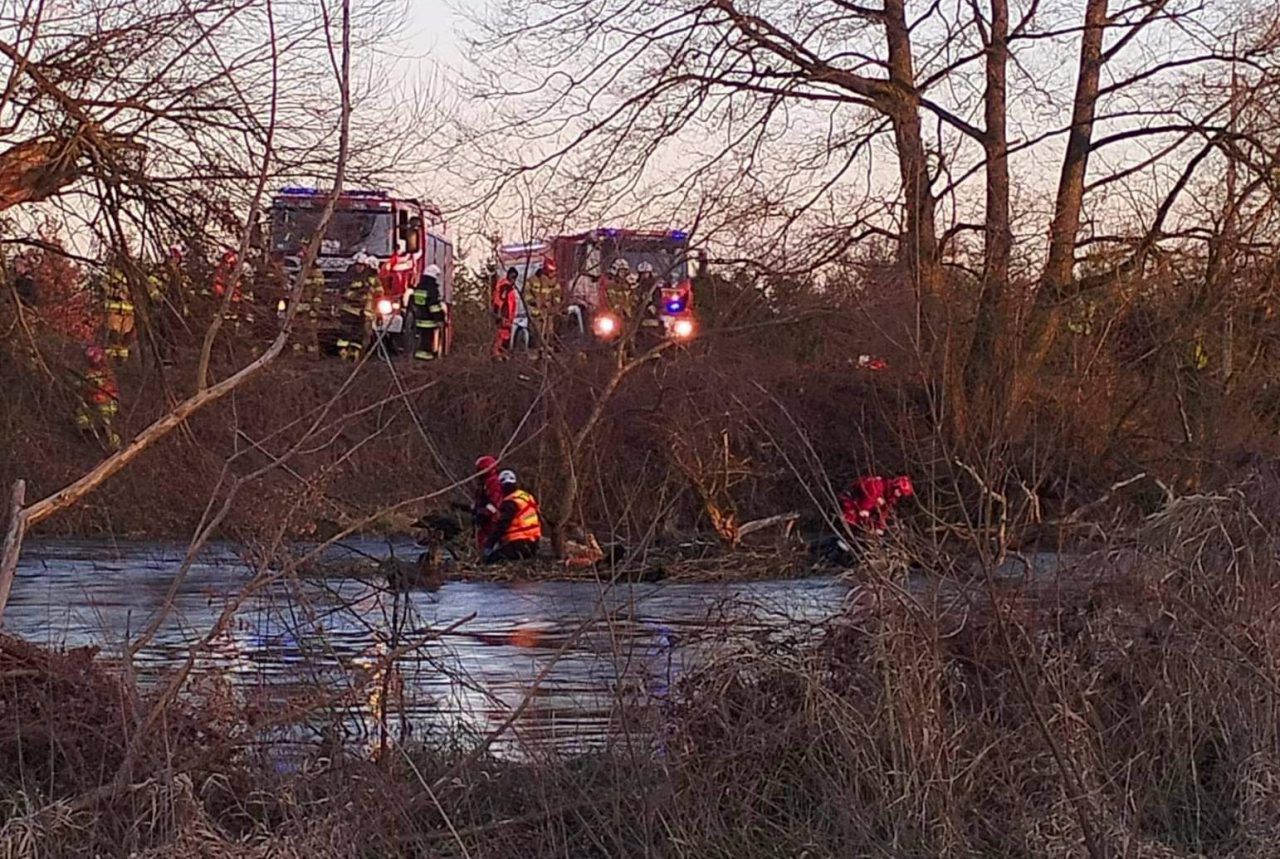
x=798 y=131
x=23 y=516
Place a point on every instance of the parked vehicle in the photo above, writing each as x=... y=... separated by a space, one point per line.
x=404 y=234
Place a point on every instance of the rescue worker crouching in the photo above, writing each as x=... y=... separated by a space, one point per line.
x=99 y=399
x=866 y=507
x=518 y=527
x=486 y=500
x=359 y=308
x=429 y=316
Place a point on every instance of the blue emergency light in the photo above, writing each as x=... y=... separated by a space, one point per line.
x=315 y=192
x=675 y=305
x=678 y=234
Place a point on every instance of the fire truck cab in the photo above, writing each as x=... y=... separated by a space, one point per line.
x=404 y=234
x=584 y=262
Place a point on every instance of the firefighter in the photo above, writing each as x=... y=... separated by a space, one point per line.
x=486 y=501
x=308 y=316
x=542 y=295
x=619 y=292
x=649 y=291
x=499 y=290
x=241 y=306
x=359 y=305
x=518 y=527
x=428 y=315
x=119 y=315
x=869 y=501
x=506 y=305
x=865 y=507
x=99 y=399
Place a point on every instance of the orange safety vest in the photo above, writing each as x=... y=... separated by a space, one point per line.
x=526 y=524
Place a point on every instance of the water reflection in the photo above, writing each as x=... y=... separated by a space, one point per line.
x=588 y=658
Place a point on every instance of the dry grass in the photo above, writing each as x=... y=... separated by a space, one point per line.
x=1128 y=708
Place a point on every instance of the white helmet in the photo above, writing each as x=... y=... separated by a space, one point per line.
x=432 y=271
x=363 y=258
x=507 y=477
x=620 y=265
x=645 y=268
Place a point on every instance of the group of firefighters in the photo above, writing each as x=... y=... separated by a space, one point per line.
x=508 y=524
x=360 y=311
x=617 y=291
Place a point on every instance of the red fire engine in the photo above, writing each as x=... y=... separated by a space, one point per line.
x=584 y=262
x=404 y=234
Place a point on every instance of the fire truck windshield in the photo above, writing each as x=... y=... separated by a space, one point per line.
x=669 y=264
x=351 y=230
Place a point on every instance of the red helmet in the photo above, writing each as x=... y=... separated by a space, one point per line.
x=94 y=355
x=549 y=265
x=485 y=463
x=902 y=487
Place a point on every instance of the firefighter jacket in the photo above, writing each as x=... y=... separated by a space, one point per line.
x=518 y=519
x=618 y=295
x=428 y=308
x=361 y=296
x=542 y=294
x=100 y=388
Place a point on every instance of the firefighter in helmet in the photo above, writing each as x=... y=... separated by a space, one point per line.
x=649 y=295
x=359 y=307
x=619 y=291
x=310 y=304
x=119 y=315
x=542 y=295
x=99 y=399
x=518 y=527
x=428 y=316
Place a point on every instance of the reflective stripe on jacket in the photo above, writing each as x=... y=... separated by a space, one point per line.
x=526 y=524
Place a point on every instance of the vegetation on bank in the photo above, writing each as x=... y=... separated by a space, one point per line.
x=1124 y=709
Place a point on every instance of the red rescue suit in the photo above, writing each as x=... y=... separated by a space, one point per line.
x=488 y=497
x=869 y=502
x=506 y=304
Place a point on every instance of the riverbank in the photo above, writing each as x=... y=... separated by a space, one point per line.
x=699 y=440
x=1126 y=708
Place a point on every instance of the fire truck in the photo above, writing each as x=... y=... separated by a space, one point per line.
x=584 y=262
x=405 y=235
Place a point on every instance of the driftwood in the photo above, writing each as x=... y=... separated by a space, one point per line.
x=787 y=520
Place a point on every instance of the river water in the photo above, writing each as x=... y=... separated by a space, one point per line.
x=568 y=664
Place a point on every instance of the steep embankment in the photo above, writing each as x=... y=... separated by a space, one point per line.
x=689 y=430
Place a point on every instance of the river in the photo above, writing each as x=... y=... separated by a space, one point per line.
x=588 y=656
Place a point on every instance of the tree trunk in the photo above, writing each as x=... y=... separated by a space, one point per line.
x=12 y=541
x=919 y=249
x=984 y=379
x=1056 y=280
